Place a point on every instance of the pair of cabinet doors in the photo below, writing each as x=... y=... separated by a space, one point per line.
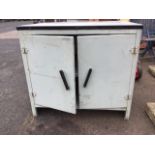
x=104 y=70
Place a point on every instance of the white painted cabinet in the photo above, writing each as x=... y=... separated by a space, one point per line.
x=80 y=65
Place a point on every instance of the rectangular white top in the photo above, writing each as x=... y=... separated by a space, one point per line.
x=82 y=25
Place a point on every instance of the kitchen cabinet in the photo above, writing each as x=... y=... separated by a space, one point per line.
x=83 y=65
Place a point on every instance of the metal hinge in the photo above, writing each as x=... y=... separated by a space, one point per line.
x=33 y=94
x=134 y=51
x=127 y=97
x=25 y=51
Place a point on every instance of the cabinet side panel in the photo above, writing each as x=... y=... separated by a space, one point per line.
x=133 y=73
x=27 y=73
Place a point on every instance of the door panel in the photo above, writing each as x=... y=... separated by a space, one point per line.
x=105 y=63
x=47 y=56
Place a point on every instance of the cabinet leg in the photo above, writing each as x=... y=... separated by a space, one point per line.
x=127 y=116
x=34 y=111
x=127 y=113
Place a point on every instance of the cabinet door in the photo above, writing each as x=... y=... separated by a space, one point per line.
x=105 y=66
x=51 y=65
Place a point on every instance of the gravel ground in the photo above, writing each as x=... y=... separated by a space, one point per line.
x=15 y=110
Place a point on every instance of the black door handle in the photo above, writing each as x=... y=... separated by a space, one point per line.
x=64 y=79
x=87 y=77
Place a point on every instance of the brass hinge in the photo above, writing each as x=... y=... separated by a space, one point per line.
x=134 y=51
